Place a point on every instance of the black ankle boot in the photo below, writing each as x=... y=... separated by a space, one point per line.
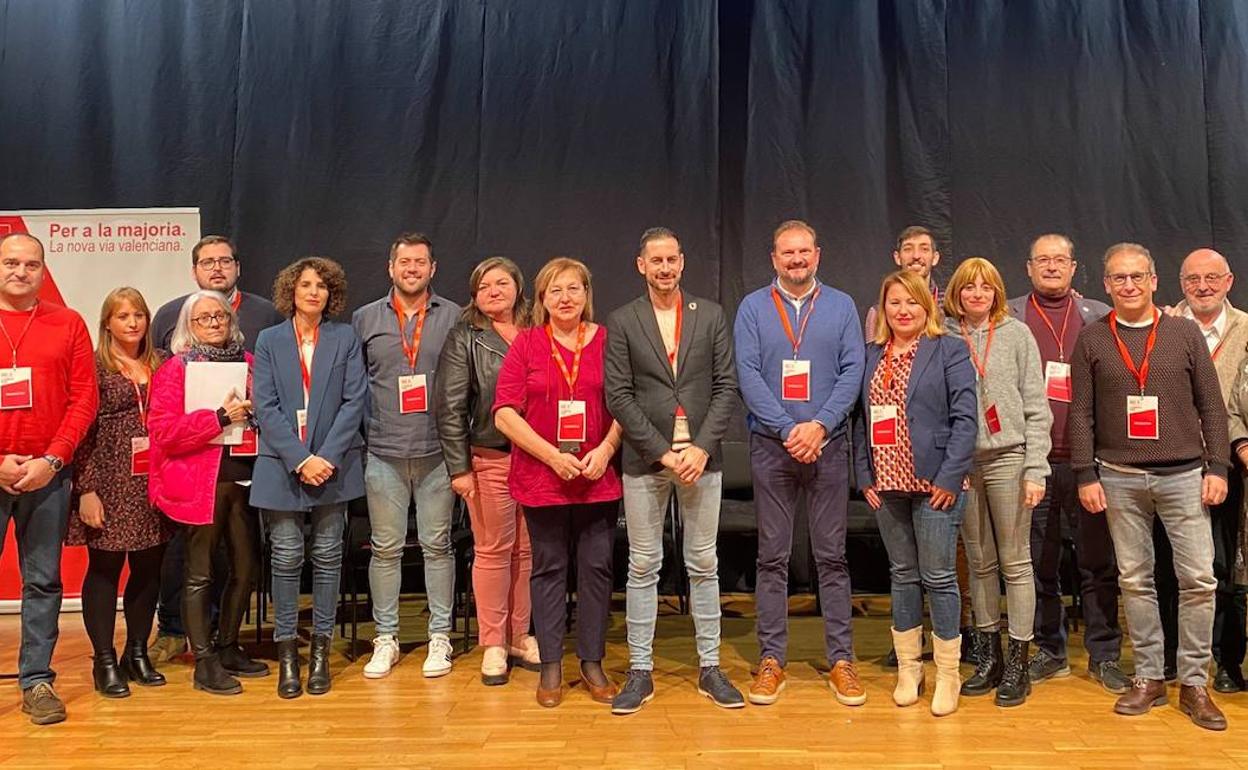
x=968 y=644
x=318 y=665
x=107 y=676
x=138 y=667
x=288 y=685
x=1015 y=683
x=988 y=664
x=211 y=677
x=236 y=661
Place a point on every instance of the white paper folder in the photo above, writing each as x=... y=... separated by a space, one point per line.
x=207 y=385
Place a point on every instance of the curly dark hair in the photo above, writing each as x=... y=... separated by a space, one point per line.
x=330 y=272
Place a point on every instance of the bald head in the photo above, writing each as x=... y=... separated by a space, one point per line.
x=1206 y=279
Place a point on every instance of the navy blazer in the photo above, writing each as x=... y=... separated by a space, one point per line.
x=336 y=407
x=941 y=411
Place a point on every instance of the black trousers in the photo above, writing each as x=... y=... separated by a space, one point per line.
x=1230 y=612
x=237 y=526
x=553 y=531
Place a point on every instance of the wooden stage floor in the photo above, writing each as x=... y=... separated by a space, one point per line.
x=409 y=721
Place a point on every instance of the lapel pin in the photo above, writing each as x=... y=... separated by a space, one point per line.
x=693 y=306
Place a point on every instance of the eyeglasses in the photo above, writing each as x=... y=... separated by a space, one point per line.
x=1120 y=279
x=1210 y=279
x=213 y=319
x=208 y=264
x=572 y=292
x=1061 y=261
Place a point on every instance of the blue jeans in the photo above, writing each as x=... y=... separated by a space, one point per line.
x=391 y=485
x=1133 y=499
x=645 y=508
x=286 y=537
x=40 y=519
x=922 y=545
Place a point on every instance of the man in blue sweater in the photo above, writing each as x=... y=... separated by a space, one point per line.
x=800 y=364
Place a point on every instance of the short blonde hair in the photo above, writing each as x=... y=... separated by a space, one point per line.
x=549 y=272
x=971 y=270
x=104 y=340
x=917 y=288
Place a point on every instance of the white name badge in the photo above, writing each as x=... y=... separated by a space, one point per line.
x=1142 y=419
x=795 y=380
x=571 y=422
x=1057 y=381
x=301 y=419
x=883 y=425
x=16 y=389
x=413 y=394
x=140 y=455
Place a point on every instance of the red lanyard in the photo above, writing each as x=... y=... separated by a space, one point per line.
x=796 y=342
x=142 y=398
x=981 y=365
x=411 y=351
x=1060 y=338
x=22 y=336
x=1140 y=374
x=680 y=314
x=303 y=363
x=237 y=301
x=1217 y=349
x=887 y=379
x=568 y=377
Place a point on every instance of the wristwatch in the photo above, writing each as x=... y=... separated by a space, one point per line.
x=56 y=463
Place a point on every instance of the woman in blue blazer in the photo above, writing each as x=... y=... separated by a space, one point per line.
x=914 y=440
x=309 y=398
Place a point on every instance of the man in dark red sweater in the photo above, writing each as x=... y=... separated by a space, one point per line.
x=48 y=399
x=1139 y=375
x=1056 y=314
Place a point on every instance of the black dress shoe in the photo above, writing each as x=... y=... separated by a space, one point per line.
x=318 y=665
x=138 y=667
x=211 y=677
x=1228 y=680
x=107 y=676
x=288 y=685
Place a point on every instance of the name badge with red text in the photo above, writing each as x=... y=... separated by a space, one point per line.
x=1057 y=381
x=571 y=430
x=301 y=419
x=883 y=425
x=992 y=420
x=413 y=395
x=249 y=446
x=795 y=380
x=16 y=390
x=140 y=455
x=1142 y=419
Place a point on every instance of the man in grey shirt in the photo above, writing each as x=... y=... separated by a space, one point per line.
x=402 y=334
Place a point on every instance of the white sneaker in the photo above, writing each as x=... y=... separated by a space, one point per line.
x=385 y=655
x=438 y=660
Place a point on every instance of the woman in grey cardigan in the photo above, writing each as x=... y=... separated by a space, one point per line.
x=1007 y=477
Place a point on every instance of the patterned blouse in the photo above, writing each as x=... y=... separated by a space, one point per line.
x=894 y=465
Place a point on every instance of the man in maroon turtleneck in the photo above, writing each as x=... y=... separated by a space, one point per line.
x=1055 y=314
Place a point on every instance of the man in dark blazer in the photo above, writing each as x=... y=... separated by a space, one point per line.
x=1055 y=314
x=672 y=386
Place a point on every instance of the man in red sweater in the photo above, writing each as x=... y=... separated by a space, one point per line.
x=48 y=399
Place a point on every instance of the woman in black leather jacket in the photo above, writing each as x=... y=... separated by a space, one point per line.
x=478 y=460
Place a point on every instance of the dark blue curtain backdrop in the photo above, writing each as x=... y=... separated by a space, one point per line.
x=540 y=127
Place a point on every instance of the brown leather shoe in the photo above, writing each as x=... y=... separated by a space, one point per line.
x=768 y=682
x=843 y=679
x=604 y=694
x=550 y=698
x=1143 y=695
x=1196 y=703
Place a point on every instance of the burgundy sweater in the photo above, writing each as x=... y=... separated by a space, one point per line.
x=1192 y=417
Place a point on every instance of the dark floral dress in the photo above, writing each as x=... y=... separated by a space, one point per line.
x=102 y=466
